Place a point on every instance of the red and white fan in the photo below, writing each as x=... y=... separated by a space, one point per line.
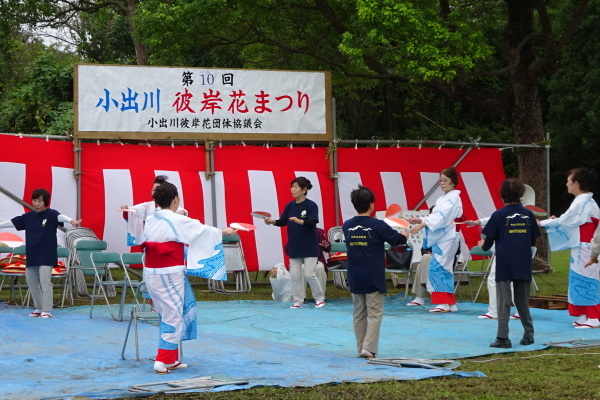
x=260 y=214
x=8 y=239
x=537 y=211
x=240 y=226
x=393 y=210
x=397 y=223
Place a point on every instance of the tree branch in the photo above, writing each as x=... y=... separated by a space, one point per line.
x=573 y=25
x=547 y=63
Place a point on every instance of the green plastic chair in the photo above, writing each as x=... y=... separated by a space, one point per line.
x=129 y=259
x=235 y=238
x=102 y=262
x=338 y=247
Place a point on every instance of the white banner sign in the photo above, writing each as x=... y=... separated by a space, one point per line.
x=198 y=100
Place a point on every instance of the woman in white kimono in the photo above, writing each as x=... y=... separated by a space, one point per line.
x=574 y=230
x=166 y=233
x=442 y=237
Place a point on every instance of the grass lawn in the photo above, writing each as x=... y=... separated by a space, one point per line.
x=547 y=374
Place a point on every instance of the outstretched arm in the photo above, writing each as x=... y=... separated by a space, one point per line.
x=7 y=224
x=64 y=218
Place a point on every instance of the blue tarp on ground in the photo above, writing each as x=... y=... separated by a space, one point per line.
x=263 y=342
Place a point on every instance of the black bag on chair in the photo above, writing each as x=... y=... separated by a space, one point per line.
x=398 y=257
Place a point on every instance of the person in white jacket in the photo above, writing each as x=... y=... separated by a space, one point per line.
x=166 y=234
x=574 y=230
x=441 y=236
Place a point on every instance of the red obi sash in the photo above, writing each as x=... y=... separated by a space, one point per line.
x=162 y=255
x=459 y=219
x=586 y=231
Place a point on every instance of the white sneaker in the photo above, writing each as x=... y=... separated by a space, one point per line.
x=320 y=304
x=515 y=316
x=487 y=316
x=453 y=308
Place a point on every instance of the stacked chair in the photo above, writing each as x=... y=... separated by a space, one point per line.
x=80 y=243
x=235 y=263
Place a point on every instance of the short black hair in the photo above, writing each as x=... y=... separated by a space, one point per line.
x=512 y=190
x=161 y=179
x=451 y=174
x=585 y=177
x=361 y=198
x=164 y=194
x=43 y=193
x=302 y=182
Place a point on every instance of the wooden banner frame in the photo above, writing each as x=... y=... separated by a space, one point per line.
x=222 y=134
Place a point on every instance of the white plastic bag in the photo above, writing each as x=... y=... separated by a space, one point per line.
x=281 y=283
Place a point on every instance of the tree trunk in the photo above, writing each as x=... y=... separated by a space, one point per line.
x=525 y=107
x=142 y=52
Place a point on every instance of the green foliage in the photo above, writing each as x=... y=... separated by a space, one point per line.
x=175 y=32
x=404 y=39
x=60 y=119
x=411 y=40
x=41 y=99
x=7 y=57
x=574 y=107
x=103 y=37
x=17 y=50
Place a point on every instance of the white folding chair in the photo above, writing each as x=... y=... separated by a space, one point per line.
x=482 y=273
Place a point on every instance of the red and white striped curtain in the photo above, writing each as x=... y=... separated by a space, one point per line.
x=247 y=178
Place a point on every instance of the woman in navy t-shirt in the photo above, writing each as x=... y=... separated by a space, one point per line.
x=40 y=227
x=301 y=216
